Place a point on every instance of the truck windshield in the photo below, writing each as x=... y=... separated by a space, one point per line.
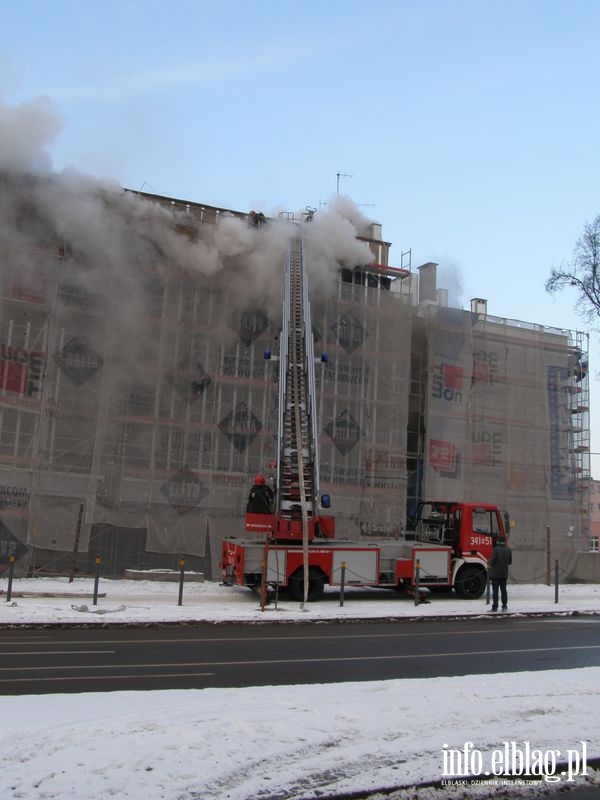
x=485 y=521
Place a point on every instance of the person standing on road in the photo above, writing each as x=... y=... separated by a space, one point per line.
x=498 y=564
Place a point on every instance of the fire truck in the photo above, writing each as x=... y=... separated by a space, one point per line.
x=294 y=545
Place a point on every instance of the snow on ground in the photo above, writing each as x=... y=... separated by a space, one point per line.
x=277 y=742
x=151 y=601
x=281 y=741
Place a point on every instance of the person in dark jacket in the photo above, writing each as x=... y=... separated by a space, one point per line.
x=261 y=497
x=498 y=566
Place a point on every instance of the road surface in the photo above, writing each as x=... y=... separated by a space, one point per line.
x=48 y=660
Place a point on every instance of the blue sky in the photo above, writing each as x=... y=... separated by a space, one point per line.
x=470 y=129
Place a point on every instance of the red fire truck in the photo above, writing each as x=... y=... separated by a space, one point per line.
x=451 y=541
x=293 y=546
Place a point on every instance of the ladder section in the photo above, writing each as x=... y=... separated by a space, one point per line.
x=298 y=471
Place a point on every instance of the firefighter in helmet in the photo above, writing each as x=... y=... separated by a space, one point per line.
x=256 y=218
x=260 y=500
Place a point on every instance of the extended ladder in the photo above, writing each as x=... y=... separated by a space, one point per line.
x=298 y=478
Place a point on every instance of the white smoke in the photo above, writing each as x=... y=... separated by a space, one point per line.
x=345 y=207
x=331 y=243
x=26 y=132
x=115 y=238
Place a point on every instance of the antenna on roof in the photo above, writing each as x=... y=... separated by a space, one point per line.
x=139 y=191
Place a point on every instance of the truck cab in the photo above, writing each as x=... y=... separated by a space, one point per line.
x=470 y=529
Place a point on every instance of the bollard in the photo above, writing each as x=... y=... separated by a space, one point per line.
x=556 y=581
x=181 y=577
x=96 y=580
x=342 y=583
x=11 y=569
x=417 y=576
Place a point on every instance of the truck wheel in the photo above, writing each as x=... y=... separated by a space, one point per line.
x=470 y=582
x=316 y=584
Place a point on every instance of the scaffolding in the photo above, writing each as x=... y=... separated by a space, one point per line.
x=507 y=422
x=138 y=388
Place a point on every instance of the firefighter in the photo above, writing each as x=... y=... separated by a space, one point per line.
x=260 y=500
x=498 y=565
x=256 y=218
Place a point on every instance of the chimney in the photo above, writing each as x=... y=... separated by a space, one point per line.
x=478 y=305
x=376 y=231
x=428 y=282
x=442 y=297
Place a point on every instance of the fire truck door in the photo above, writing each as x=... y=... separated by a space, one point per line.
x=362 y=567
x=276 y=565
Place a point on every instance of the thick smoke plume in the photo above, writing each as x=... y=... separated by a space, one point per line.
x=112 y=239
x=26 y=132
x=331 y=243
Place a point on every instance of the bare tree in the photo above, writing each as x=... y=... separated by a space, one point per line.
x=583 y=271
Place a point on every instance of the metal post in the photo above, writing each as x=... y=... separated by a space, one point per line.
x=487 y=589
x=342 y=583
x=556 y=581
x=264 y=576
x=11 y=569
x=417 y=577
x=76 y=544
x=181 y=579
x=548 y=558
x=96 y=580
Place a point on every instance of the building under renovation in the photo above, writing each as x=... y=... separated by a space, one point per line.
x=136 y=404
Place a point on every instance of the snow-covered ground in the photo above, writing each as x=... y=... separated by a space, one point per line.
x=150 y=601
x=287 y=742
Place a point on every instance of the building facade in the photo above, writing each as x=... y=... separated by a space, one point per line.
x=136 y=404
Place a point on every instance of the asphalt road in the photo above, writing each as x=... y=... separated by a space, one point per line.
x=47 y=660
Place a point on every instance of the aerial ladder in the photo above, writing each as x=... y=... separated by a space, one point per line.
x=296 y=517
x=297 y=441
x=297 y=446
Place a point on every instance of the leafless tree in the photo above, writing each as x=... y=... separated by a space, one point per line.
x=583 y=272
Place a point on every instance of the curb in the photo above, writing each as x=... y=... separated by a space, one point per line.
x=317 y=620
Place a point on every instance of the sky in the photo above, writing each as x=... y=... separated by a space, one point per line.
x=468 y=129
x=283 y=742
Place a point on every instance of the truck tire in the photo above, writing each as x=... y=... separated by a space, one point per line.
x=470 y=582
x=316 y=584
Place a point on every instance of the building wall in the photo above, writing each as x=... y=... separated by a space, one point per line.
x=505 y=424
x=136 y=405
